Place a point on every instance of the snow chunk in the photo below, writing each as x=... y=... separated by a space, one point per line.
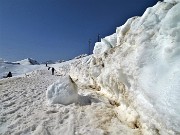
x=105 y=44
x=64 y=91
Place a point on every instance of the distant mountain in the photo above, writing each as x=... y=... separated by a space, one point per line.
x=81 y=56
x=1 y=60
x=48 y=62
x=28 y=61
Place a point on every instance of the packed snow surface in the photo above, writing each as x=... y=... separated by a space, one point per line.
x=63 y=91
x=24 y=108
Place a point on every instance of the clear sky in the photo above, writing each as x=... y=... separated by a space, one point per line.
x=60 y=29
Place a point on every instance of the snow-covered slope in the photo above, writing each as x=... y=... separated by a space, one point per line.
x=16 y=68
x=28 y=61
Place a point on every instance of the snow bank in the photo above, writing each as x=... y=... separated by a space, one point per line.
x=138 y=68
x=159 y=76
x=63 y=92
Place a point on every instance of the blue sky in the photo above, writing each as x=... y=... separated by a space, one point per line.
x=60 y=29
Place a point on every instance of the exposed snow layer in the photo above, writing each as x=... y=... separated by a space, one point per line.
x=64 y=91
x=140 y=71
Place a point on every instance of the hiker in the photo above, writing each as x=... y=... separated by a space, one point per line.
x=46 y=64
x=52 y=70
x=9 y=74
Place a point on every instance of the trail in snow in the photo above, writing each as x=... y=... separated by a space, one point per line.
x=24 y=110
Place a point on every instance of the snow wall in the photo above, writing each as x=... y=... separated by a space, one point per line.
x=138 y=68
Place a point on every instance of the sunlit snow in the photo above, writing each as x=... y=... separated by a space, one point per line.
x=129 y=85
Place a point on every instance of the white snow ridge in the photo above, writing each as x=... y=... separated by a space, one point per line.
x=130 y=85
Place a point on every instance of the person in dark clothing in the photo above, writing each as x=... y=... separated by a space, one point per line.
x=53 y=70
x=9 y=74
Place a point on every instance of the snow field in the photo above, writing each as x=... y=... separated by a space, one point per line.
x=24 y=110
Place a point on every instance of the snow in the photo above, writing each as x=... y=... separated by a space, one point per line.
x=146 y=61
x=17 y=69
x=24 y=109
x=105 y=44
x=80 y=56
x=64 y=91
x=28 y=61
x=141 y=71
x=172 y=1
x=130 y=85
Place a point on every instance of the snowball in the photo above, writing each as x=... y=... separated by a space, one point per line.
x=64 y=91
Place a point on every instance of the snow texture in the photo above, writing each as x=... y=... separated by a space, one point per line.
x=146 y=61
x=130 y=85
x=105 y=44
x=141 y=71
x=64 y=91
